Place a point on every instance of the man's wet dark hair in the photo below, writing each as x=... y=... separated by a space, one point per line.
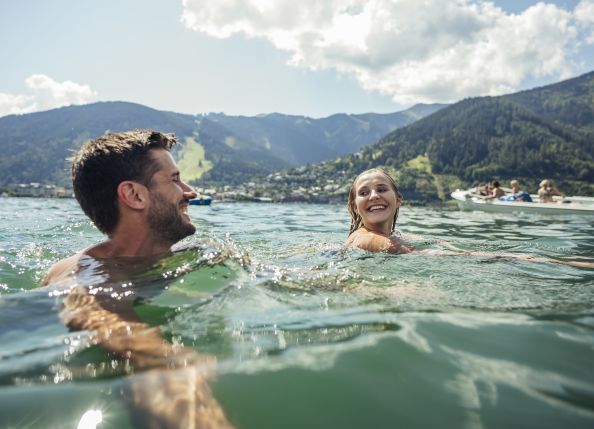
x=102 y=164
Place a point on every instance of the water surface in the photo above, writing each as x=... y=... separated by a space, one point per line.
x=307 y=334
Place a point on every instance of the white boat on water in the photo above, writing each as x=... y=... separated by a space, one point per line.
x=470 y=199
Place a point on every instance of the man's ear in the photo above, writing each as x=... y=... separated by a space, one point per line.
x=133 y=194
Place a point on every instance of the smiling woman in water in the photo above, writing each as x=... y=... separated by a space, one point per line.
x=374 y=202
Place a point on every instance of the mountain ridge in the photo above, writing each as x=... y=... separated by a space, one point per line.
x=35 y=145
x=546 y=132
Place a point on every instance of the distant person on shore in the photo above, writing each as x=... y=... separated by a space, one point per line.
x=128 y=184
x=516 y=193
x=374 y=202
x=546 y=191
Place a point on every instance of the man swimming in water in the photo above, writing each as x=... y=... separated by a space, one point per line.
x=129 y=185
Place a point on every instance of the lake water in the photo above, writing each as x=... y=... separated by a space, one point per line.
x=308 y=335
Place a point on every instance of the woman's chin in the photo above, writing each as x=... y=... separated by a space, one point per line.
x=381 y=225
x=378 y=218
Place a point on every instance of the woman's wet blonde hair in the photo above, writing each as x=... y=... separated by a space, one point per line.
x=355 y=217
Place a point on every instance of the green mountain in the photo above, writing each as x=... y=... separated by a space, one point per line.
x=568 y=102
x=545 y=132
x=301 y=140
x=35 y=146
x=214 y=149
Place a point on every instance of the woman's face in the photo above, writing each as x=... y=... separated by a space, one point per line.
x=375 y=201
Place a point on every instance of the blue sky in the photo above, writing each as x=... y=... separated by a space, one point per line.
x=313 y=57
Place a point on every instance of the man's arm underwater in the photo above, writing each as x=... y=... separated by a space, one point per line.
x=167 y=398
x=173 y=387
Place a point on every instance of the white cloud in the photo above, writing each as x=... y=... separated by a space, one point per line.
x=45 y=93
x=15 y=104
x=584 y=15
x=414 y=51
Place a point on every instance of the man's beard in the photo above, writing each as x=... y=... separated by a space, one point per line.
x=166 y=221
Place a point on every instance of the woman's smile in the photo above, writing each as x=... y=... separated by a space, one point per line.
x=376 y=207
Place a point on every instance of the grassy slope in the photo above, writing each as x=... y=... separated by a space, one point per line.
x=192 y=161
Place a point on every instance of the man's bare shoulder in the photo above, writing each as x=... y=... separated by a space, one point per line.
x=62 y=270
x=69 y=267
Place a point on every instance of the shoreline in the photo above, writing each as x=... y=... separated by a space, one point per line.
x=409 y=203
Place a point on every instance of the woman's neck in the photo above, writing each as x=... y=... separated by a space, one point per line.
x=384 y=230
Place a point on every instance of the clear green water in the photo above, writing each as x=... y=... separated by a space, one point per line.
x=310 y=335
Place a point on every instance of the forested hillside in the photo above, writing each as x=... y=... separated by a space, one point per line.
x=545 y=132
x=214 y=148
x=35 y=147
x=542 y=133
x=570 y=102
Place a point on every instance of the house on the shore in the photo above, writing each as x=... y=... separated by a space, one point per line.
x=39 y=190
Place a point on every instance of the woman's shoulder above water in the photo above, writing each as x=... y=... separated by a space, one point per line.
x=376 y=242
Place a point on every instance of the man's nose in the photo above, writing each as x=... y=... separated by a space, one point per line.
x=188 y=189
